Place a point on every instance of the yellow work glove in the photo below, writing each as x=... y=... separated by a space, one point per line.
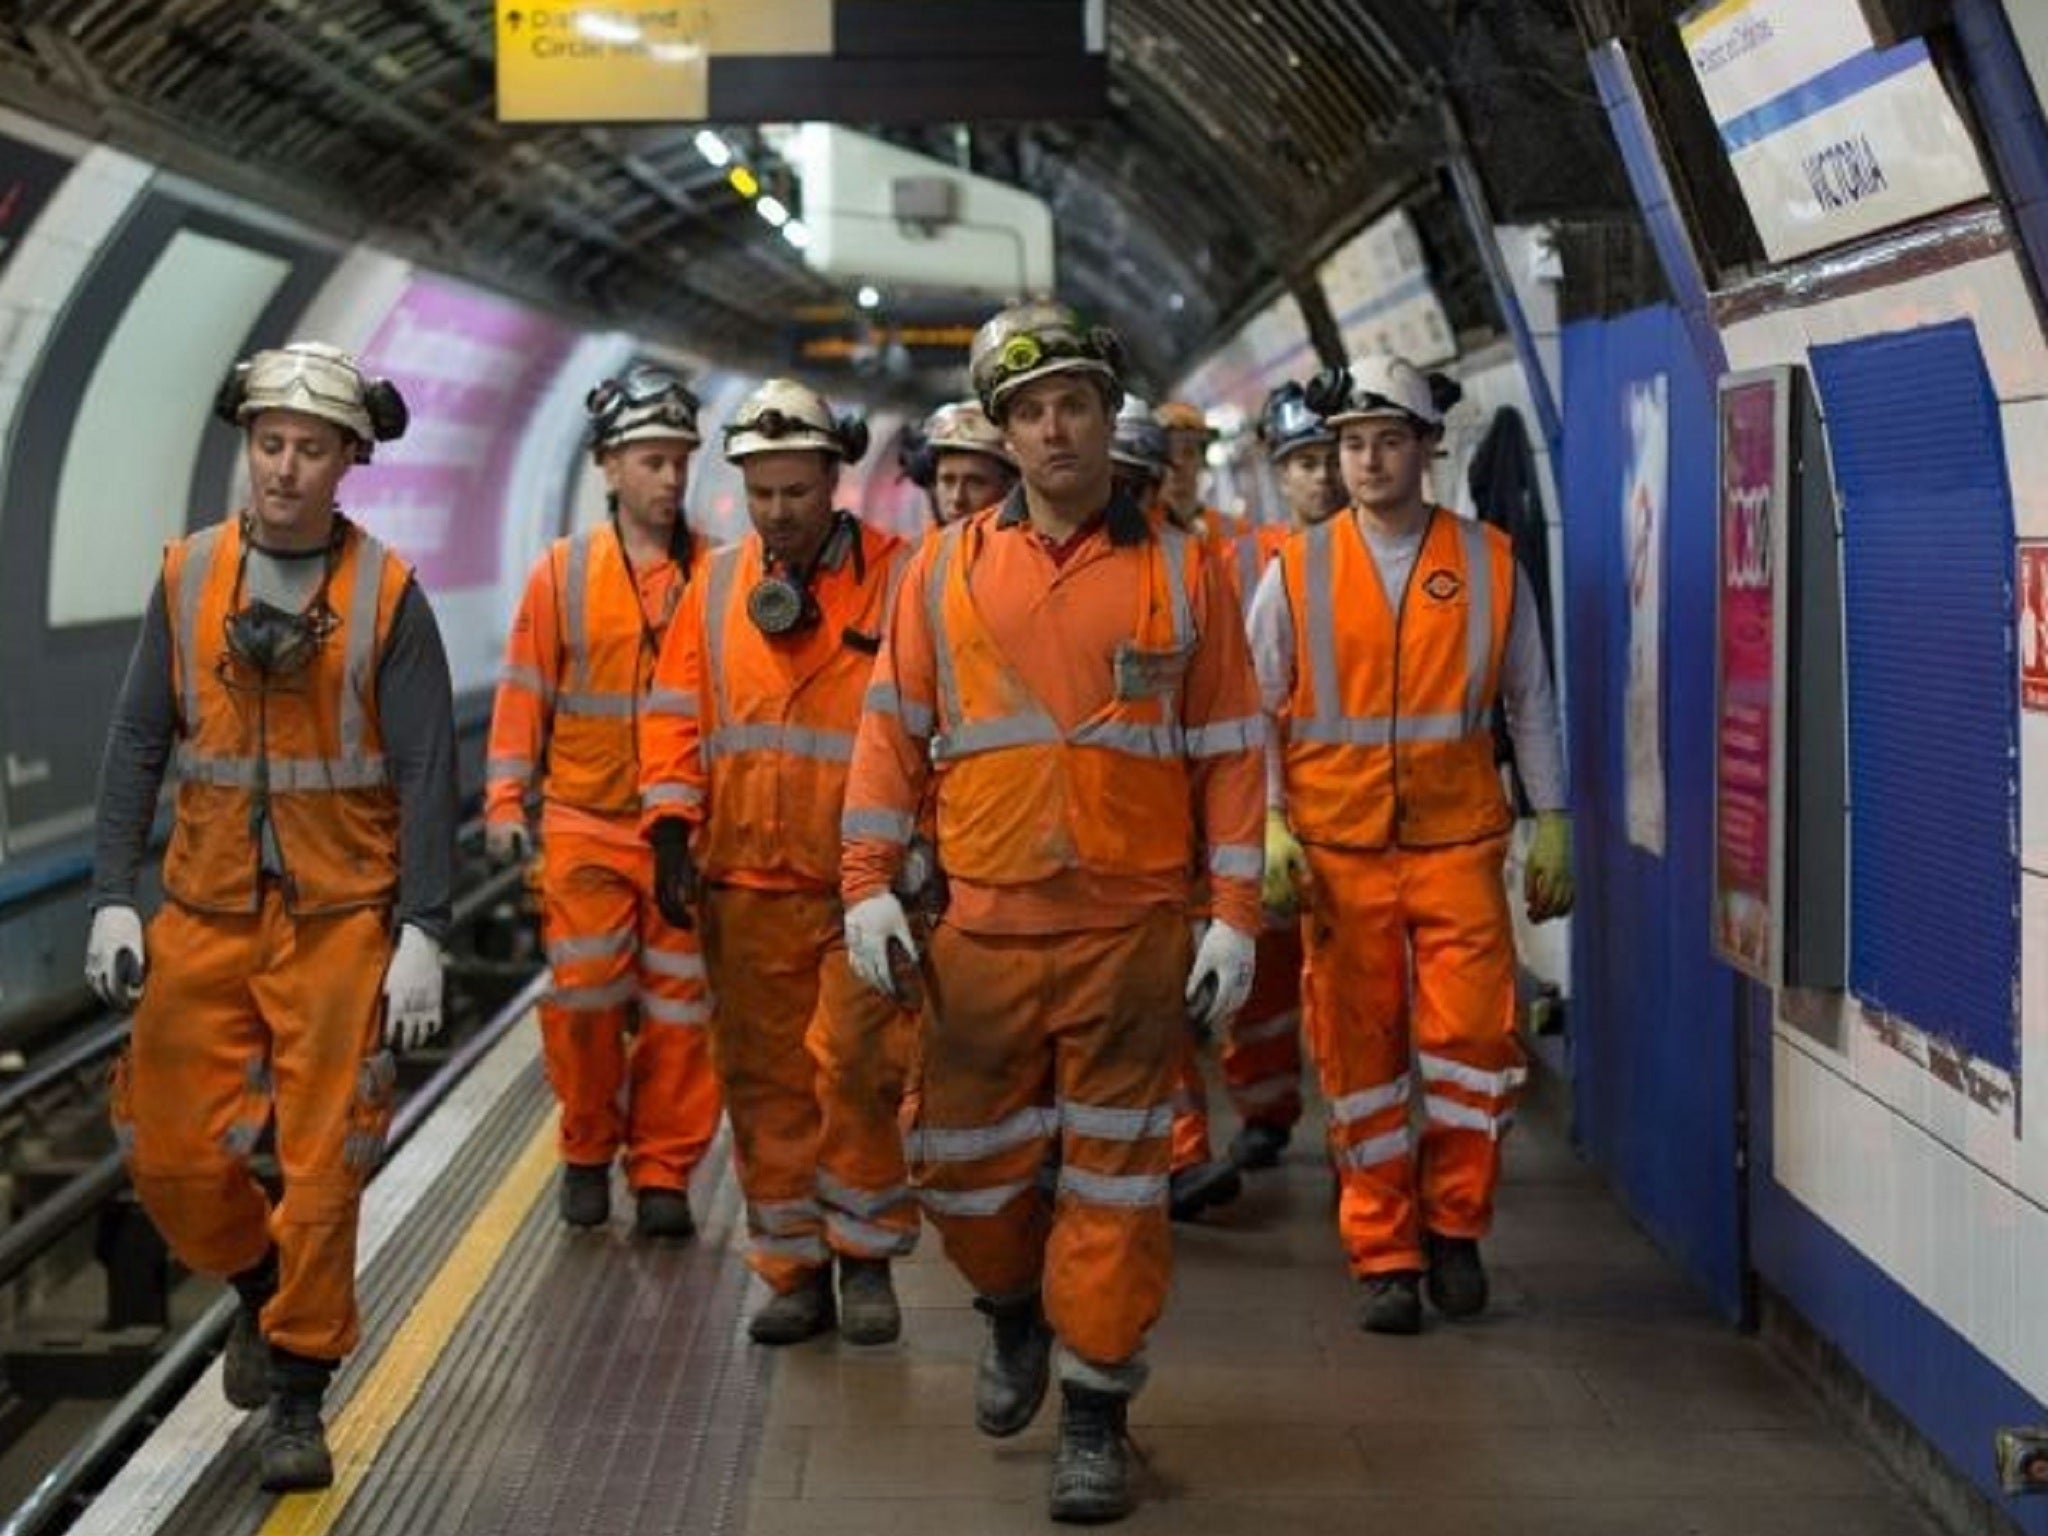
x=1286 y=865
x=1547 y=875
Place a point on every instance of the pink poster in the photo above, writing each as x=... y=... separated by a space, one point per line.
x=1744 y=752
x=471 y=367
x=2033 y=626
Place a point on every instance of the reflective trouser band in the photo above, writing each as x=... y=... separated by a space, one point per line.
x=1350 y=1108
x=798 y=1250
x=1375 y=1151
x=1123 y=1189
x=865 y=1203
x=694 y=1012
x=1279 y=1027
x=595 y=999
x=784 y=1216
x=589 y=946
x=866 y=1239
x=682 y=964
x=973 y=1202
x=1457 y=1115
x=1110 y=1123
x=928 y=1144
x=1497 y=1085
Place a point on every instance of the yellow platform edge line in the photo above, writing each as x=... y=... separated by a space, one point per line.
x=360 y=1430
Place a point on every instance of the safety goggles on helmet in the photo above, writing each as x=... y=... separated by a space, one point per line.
x=646 y=403
x=961 y=426
x=1034 y=341
x=1289 y=423
x=316 y=380
x=1376 y=386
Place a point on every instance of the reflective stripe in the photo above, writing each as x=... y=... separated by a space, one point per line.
x=885 y=826
x=528 y=678
x=603 y=706
x=1379 y=731
x=670 y=701
x=693 y=1011
x=1248 y=566
x=784 y=1216
x=575 y=639
x=672 y=794
x=929 y=1144
x=1478 y=619
x=1317 y=576
x=1237 y=861
x=861 y=1202
x=1128 y=736
x=684 y=964
x=1110 y=1123
x=1376 y=1150
x=717 y=597
x=589 y=946
x=356 y=680
x=1222 y=736
x=1466 y=1117
x=1173 y=545
x=973 y=1202
x=1350 y=1108
x=520 y=768
x=994 y=735
x=942 y=654
x=1132 y=1189
x=866 y=1239
x=594 y=999
x=284 y=775
x=884 y=700
x=790 y=740
x=1275 y=1028
x=199 y=551
x=803 y=1250
x=1442 y=1069
x=1267 y=1090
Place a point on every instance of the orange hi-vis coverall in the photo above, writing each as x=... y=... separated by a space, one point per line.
x=624 y=1031
x=1261 y=1055
x=1094 y=733
x=264 y=992
x=1391 y=787
x=755 y=760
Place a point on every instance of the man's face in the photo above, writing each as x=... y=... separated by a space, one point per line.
x=1310 y=484
x=296 y=463
x=1383 y=460
x=1186 y=456
x=964 y=483
x=1058 y=430
x=648 y=477
x=789 y=499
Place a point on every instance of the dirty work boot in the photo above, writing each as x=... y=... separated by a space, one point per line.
x=1091 y=1473
x=1016 y=1365
x=245 y=1363
x=1390 y=1303
x=1259 y=1145
x=868 y=1313
x=294 y=1447
x=1457 y=1280
x=790 y=1317
x=1192 y=1191
x=586 y=1194
x=663 y=1213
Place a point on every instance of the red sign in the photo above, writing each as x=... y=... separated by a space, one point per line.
x=2033 y=626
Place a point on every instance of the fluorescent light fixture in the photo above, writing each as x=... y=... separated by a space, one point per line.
x=743 y=181
x=771 y=209
x=713 y=148
x=797 y=233
x=868 y=297
x=606 y=29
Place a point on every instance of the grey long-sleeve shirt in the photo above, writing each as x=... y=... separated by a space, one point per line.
x=1525 y=687
x=414 y=705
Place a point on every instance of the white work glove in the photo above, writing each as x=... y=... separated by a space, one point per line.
x=412 y=991
x=115 y=960
x=1222 y=976
x=872 y=926
x=508 y=842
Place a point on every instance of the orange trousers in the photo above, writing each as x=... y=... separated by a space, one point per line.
x=1261 y=1051
x=624 y=1032
x=1070 y=1034
x=1412 y=964
x=814 y=1065
x=245 y=1015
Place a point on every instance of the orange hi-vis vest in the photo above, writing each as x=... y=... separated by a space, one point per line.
x=1020 y=801
x=1247 y=554
x=779 y=722
x=308 y=745
x=1390 y=735
x=605 y=679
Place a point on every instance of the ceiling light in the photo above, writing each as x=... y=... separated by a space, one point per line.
x=743 y=181
x=771 y=209
x=797 y=233
x=713 y=148
x=868 y=297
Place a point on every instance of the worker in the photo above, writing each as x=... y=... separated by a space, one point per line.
x=290 y=668
x=971 y=467
x=1188 y=436
x=771 y=656
x=1074 y=675
x=1386 y=796
x=624 y=1027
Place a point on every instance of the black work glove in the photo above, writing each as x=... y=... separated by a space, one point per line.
x=675 y=872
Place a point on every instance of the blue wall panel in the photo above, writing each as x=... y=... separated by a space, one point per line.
x=1927 y=555
x=1654 y=1043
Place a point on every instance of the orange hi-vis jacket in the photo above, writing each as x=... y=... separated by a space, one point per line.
x=1246 y=556
x=756 y=752
x=1389 y=726
x=1093 y=725
x=310 y=744
x=579 y=668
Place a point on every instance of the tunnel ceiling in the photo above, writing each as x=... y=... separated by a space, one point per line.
x=1242 y=137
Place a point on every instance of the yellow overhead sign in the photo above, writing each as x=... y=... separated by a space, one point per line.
x=633 y=60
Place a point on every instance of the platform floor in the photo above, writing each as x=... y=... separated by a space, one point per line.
x=519 y=1378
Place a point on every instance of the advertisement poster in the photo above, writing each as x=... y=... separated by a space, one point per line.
x=2033 y=626
x=1643 y=494
x=1748 y=508
x=471 y=368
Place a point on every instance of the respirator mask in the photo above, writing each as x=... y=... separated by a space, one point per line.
x=271 y=641
x=781 y=602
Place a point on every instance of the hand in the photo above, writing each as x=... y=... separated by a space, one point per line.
x=1286 y=865
x=115 y=960
x=873 y=928
x=412 y=991
x=676 y=886
x=508 y=842
x=1222 y=976
x=1547 y=885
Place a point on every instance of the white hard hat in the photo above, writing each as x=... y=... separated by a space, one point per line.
x=1376 y=385
x=962 y=426
x=314 y=379
x=782 y=416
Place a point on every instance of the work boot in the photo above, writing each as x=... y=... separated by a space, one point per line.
x=294 y=1447
x=868 y=1313
x=1192 y=1191
x=245 y=1363
x=1016 y=1365
x=1259 y=1145
x=791 y=1316
x=586 y=1194
x=1391 y=1303
x=1457 y=1280
x=1091 y=1472
x=663 y=1213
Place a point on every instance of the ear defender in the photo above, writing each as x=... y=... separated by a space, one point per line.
x=234 y=389
x=852 y=433
x=388 y=414
x=1327 y=391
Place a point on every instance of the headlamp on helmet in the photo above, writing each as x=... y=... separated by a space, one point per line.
x=962 y=426
x=783 y=416
x=317 y=380
x=648 y=402
x=1033 y=341
x=1376 y=386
